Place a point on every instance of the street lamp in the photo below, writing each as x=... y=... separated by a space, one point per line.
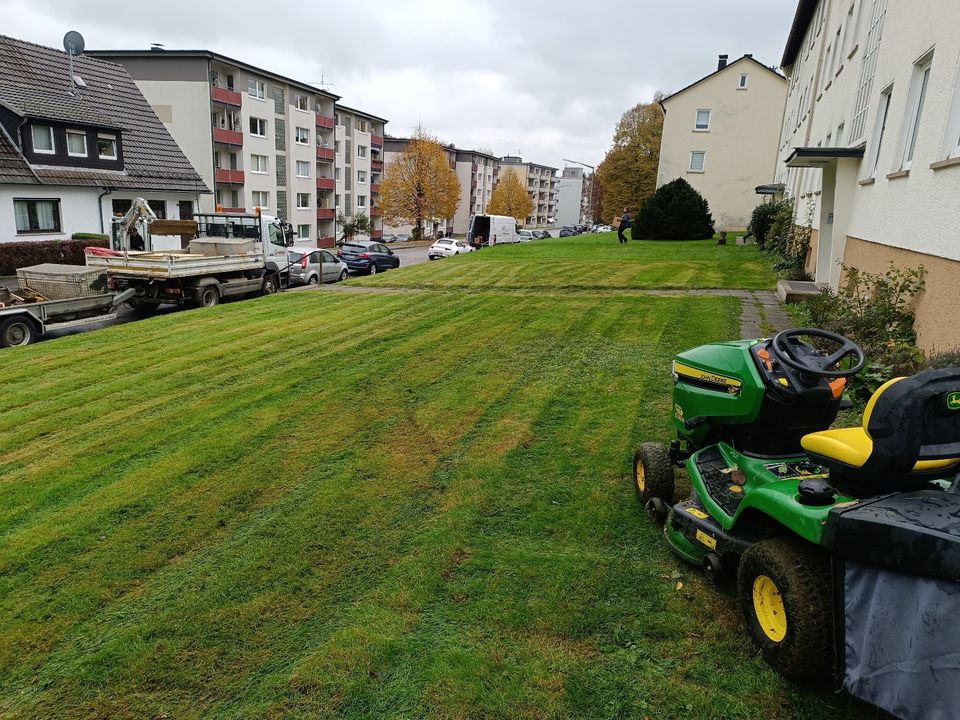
x=593 y=171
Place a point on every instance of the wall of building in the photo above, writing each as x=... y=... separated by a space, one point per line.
x=740 y=145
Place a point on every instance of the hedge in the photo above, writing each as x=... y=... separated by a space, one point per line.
x=15 y=255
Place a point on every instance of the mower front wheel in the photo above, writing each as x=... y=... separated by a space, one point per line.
x=653 y=478
x=784 y=589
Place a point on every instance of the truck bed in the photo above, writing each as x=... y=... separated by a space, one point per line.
x=53 y=311
x=173 y=265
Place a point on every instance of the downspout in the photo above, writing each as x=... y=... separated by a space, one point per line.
x=106 y=191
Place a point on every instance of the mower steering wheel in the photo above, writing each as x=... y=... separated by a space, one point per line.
x=814 y=363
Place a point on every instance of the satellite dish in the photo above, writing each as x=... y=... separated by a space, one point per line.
x=73 y=43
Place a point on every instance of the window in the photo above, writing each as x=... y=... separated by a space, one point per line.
x=260 y=199
x=76 y=143
x=303 y=169
x=256 y=89
x=697 y=160
x=361 y=176
x=42 y=139
x=744 y=78
x=336 y=174
x=362 y=126
x=361 y=201
x=258 y=164
x=107 y=146
x=867 y=70
x=336 y=146
x=882 y=114
x=258 y=127
x=840 y=135
x=703 y=120
x=302 y=102
x=37 y=216
x=303 y=201
x=303 y=231
x=361 y=151
x=918 y=93
x=303 y=136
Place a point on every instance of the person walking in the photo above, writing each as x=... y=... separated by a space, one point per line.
x=624 y=224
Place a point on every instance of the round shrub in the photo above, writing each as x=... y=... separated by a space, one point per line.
x=674 y=212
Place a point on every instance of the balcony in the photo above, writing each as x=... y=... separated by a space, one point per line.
x=325 y=154
x=375 y=187
x=375 y=212
x=326 y=213
x=376 y=140
x=326 y=184
x=377 y=234
x=324 y=122
x=227 y=137
x=376 y=165
x=234 y=177
x=226 y=96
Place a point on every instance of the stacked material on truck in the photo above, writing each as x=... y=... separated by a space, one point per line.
x=220 y=246
x=61 y=282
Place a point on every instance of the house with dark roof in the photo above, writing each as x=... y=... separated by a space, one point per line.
x=77 y=149
x=720 y=135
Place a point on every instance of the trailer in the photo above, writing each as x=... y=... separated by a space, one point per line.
x=23 y=322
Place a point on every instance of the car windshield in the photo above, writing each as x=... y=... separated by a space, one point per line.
x=354 y=248
x=444 y=242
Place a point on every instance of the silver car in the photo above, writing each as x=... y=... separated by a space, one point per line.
x=309 y=267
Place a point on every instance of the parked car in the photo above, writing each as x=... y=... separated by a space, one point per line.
x=367 y=256
x=567 y=231
x=526 y=235
x=309 y=267
x=389 y=238
x=542 y=234
x=448 y=247
x=402 y=237
x=603 y=228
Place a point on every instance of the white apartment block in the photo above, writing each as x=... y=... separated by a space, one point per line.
x=260 y=139
x=573 y=201
x=870 y=144
x=720 y=135
x=359 y=165
x=541 y=184
x=478 y=174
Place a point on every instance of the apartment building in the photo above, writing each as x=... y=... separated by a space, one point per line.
x=541 y=184
x=260 y=139
x=393 y=147
x=573 y=198
x=478 y=174
x=870 y=144
x=720 y=135
x=359 y=167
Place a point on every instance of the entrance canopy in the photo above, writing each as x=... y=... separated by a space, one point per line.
x=818 y=157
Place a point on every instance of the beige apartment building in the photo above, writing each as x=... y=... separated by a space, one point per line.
x=720 y=134
x=541 y=184
x=260 y=139
x=393 y=147
x=870 y=144
x=478 y=174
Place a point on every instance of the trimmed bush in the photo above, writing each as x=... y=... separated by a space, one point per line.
x=90 y=236
x=764 y=214
x=674 y=212
x=15 y=255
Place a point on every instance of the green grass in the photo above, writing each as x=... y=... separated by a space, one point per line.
x=326 y=505
x=595 y=262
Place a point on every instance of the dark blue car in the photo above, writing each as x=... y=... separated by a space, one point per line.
x=368 y=256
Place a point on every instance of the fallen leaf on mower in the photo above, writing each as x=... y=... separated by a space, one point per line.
x=679 y=586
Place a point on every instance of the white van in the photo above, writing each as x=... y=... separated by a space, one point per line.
x=488 y=230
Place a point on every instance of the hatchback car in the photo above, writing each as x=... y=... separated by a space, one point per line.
x=527 y=235
x=367 y=256
x=309 y=267
x=447 y=247
x=567 y=231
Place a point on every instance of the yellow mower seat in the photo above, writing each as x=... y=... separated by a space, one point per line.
x=852 y=447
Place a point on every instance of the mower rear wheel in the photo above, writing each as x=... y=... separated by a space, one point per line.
x=653 y=475
x=784 y=589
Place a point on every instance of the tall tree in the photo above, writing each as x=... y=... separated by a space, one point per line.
x=510 y=197
x=628 y=173
x=420 y=186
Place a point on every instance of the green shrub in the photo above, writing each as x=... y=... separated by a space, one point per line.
x=16 y=255
x=942 y=359
x=762 y=219
x=674 y=212
x=89 y=236
x=787 y=241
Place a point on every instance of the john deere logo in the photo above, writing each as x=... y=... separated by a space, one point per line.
x=953 y=401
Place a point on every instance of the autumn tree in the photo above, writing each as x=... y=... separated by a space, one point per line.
x=628 y=173
x=510 y=198
x=420 y=185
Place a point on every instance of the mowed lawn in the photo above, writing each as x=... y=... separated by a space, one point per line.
x=595 y=262
x=349 y=505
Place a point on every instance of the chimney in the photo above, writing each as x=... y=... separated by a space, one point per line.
x=723 y=62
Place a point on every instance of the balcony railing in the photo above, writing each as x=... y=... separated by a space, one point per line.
x=228 y=137
x=326 y=184
x=376 y=140
x=226 y=96
x=376 y=165
x=375 y=187
x=323 y=121
x=326 y=213
x=325 y=154
x=222 y=175
x=375 y=212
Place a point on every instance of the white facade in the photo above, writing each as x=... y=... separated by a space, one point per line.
x=888 y=103
x=571 y=197
x=720 y=135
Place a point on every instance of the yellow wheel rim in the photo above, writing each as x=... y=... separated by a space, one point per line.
x=641 y=477
x=768 y=606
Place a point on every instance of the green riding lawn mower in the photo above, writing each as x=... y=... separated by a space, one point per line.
x=844 y=544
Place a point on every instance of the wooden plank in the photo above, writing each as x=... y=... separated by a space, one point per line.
x=173 y=227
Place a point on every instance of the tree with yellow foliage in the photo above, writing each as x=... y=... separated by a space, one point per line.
x=510 y=198
x=420 y=186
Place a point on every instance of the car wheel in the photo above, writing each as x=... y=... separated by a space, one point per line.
x=373 y=269
x=270 y=284
x=209 y=296
x=313 y=280
x=16 y=331
x=343 y=276
x=784 y=589
x=457 y=252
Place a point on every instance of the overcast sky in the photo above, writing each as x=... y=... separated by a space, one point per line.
x=545 y=78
